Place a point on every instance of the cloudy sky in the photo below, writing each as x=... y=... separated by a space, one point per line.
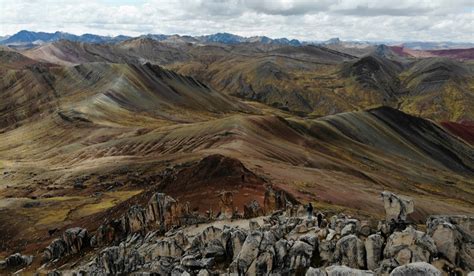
x=401 y=20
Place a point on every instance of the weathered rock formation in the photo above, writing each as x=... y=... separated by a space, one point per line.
x=281 y=243
x=410 y=246
x=397 y=207
x=73 y=241
x=416 y=269
x=15 y=261
x=252 y=209
x=454 y=238
x=226 y=205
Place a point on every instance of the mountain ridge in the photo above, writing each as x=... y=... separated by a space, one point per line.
x=30 y=39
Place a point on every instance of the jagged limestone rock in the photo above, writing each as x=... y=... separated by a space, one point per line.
x=253 y=225
x=226 y=205
x=55 y=250
x=316 y=272
x=195 y=262
x=348 y=229
x=397 y=207
x=281 y=253
x=300 y=255
x=277 y=247
x=108 y=232
x=453 y=238
x=410 y=245
x=350 y=251
x=134 y=220
x=310 y=239
x=274 y=200
x=364 y=228
x=164 y=211
x=416 y=269
x=234 y=240
x=326 y=250
x=214 y=249
x=76 y=239
x=166 y=248
x=16 y=261
x=337 y=270
x=252 y=209
x=374 y=249
x=209 y=234
x=116 y=260
x=249 y=252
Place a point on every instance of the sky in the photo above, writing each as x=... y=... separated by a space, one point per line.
x=383 y=20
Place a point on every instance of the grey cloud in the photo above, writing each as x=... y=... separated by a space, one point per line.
x=298 y=7
x=367 y=11
x=300 y=19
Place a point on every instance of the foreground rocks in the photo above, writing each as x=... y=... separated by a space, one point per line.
x=15 y=261
x=416 y=269
x=453 y=238
x=74 y=240
x=396 y=207
x=154 y=240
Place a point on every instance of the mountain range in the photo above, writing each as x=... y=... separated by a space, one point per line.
x=89 y=129
x=26 y=38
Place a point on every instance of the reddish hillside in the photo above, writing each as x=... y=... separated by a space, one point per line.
x=454 y=53
x=463 y=54
x=201 y=184
x=400 y=50
x=464 y=130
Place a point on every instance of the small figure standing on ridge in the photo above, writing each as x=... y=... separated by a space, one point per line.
x=320 y=219
x=309 y=209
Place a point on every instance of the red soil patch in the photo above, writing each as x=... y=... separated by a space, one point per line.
x=463 y=54
x=464 y=130
x=400 y=50
x=201 y=184
x=467 y=54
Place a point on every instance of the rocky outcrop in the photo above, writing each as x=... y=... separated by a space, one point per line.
x=15 y=261
x=374 y=249
x=162 y=213
x=234 y=240
x=337 y=271
x=55 y=250
x=410 y=246
x=165 y=212
x=300 y=256
x=350 y=251
x=226 y=205
x=397 y=207
x=73 y=241
x=453 y=238
x=134 y=220
x=416 y=269
x=275 y=200
x=76 y=239
x=252 y=209
x=277 y=244
x=249 y=252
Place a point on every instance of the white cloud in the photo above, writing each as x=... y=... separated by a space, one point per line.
x=302 y=19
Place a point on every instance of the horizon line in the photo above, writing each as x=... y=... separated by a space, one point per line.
x=273 y=38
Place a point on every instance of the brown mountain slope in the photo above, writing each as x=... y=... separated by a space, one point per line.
x=114 y=131
x=307 y=80
x=106 y=93
x=440 y=88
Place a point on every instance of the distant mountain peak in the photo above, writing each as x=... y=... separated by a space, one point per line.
x=25 y=37
x=333 y=41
